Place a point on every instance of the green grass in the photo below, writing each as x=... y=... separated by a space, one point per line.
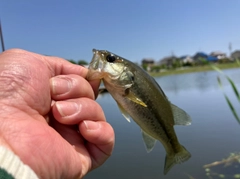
x=234 y=88
x=234 y=158
x=194 y=69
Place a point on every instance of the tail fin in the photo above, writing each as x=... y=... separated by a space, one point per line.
x=180 y=157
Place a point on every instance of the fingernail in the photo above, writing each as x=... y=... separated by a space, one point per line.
x=91 y=125
x=67 y=108
x=60 y=85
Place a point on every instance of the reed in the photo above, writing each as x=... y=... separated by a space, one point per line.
x=234 y=88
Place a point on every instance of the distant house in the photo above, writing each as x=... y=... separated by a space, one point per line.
x=186 y=59
x=168 y=61
x=147 y=63
x=218 y=54
x=201 y=55
x=212 y=58
x=235 y=55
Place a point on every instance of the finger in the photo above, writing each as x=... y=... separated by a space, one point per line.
x=61 y=66
x=68 y=132
x=56 y=65
x=95 y=86
x=100 y=137
x=70 y=86
x=75 y=154
x=75 y=111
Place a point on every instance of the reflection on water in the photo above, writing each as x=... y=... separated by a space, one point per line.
x=202 y=81
x=212 y=136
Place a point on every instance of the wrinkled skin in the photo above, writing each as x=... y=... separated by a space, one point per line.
x=49 y=116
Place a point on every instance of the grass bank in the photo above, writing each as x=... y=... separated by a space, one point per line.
x=193 y=69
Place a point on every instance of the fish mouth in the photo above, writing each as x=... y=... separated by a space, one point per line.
x=96 y=66
x=96 y=63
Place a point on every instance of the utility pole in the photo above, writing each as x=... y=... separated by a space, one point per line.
x=230 y=49
x=1 y=37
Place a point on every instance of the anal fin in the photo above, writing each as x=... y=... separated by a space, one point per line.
x=148 y=141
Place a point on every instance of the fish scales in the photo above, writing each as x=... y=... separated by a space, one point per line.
x=149 y=118
x=140 y=97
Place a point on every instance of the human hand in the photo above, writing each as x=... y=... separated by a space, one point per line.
x=49 y=117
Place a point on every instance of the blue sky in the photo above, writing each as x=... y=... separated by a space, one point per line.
x=133 y=29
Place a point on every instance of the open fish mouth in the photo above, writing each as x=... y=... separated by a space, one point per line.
x=96 y=63
x=95 y=67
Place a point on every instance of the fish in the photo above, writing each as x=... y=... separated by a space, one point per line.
x=139 y=97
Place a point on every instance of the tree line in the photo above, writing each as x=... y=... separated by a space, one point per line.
x=79 y=62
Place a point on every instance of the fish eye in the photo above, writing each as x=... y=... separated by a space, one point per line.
x=110 y=58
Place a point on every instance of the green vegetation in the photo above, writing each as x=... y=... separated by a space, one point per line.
x=72 y=61
x=192 y=69
x=82 y=62
x=224 y=168
x=227 y=167
x=79 y=62
x=235 y=90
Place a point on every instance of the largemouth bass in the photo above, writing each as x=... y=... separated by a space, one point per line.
x=140 y=97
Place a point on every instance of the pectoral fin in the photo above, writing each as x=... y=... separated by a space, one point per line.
x=124 y=112
x=180 y=116
x=132 y=97
x=148 y=141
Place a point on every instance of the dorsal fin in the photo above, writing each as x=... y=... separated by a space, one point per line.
x=180 y=116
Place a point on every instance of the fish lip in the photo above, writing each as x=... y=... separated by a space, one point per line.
x=94 y=50
x=97 y=65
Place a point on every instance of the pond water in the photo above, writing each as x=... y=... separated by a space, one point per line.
x=213 y=135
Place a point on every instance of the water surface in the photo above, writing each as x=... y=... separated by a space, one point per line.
x=214 y=132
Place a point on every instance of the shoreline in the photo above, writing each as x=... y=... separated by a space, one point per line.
x=184 y=70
